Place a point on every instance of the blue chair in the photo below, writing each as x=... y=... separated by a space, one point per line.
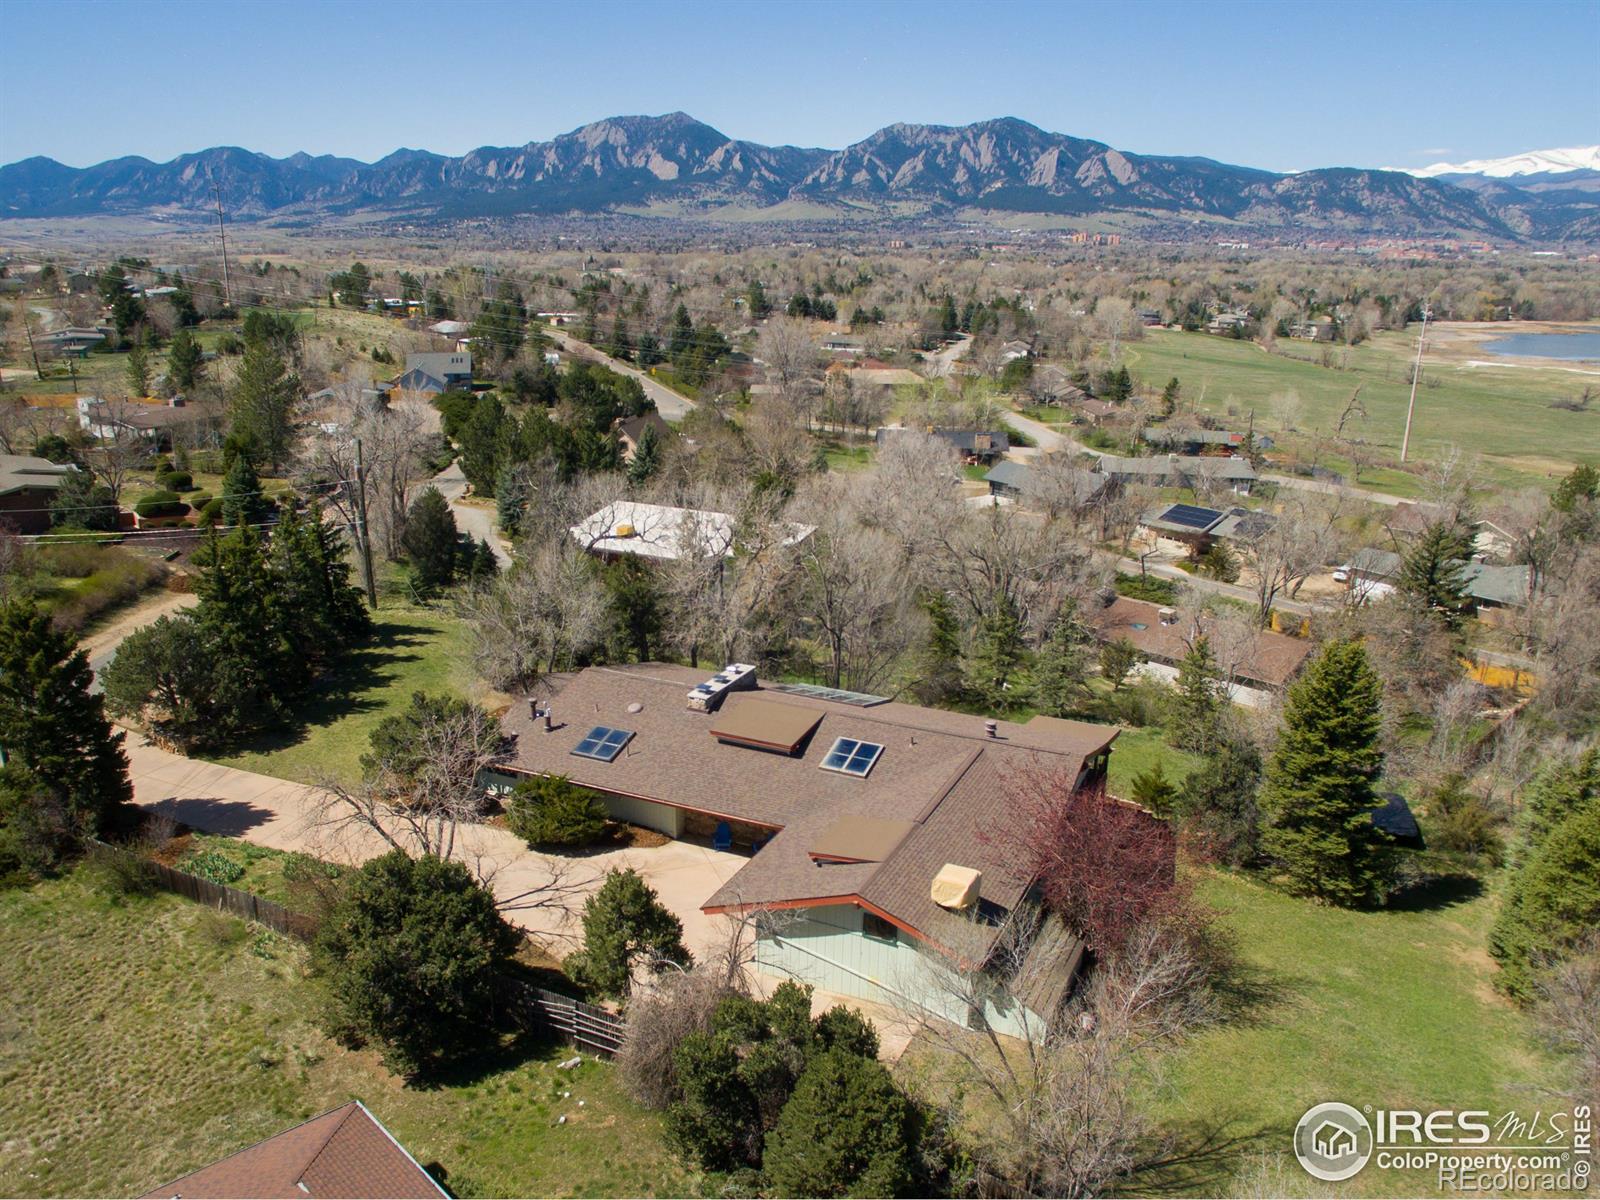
x=723 y=838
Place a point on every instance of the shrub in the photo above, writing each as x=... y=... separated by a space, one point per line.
x=1460 y=822
x=1551 y=903
x=199 y=499
x=116 y=576
x=213 y=866
x=412 y=954
x=119 y=872
x=846 y=1131
x=212 y=512
x=160 y=504
x=1148 y=587
x=551 y=811
x=176 y=481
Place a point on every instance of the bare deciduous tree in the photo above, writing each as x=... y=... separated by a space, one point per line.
x=537 y=617
x=394 y=438
x=788 y=355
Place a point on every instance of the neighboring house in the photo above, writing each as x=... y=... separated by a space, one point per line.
x=839 y=343
x=1164 y=635
x=881 y=833
x=435 y=372
x=630 y=429
x=661 y=531
x=345 y=1153
x=1313 y=331
x=1181 y=528
x=1191 y=441
x=28 y=487
x=974 y=446
x=1228 y=324
x=1409 y=519
x=1014 y=350
x=1491 y=588
x=1150 y=317
x=73 y=341
x=449 y=329
x=154 y=422
x=1174 y=470
x=1012 y=480
x=1008 y=478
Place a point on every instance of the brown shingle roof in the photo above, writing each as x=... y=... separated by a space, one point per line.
x=939 y=772
x=343 y=1153
x=1276 y=660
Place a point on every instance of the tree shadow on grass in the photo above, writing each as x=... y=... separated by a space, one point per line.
x=1197 y=1158
x=341 y=692
x=1435 y=892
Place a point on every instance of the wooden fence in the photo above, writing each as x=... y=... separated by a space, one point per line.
x=584 y=1025
x=218 y=895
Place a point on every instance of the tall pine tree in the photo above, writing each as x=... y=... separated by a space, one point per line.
x=1433 y=571
x=52 y=726
x=263 y=394
x=1061 y=670
x=1318 y=794
x=430 y=540
x=1198 y=705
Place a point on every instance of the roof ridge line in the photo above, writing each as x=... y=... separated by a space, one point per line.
x=352 y=1105
x=921 y=818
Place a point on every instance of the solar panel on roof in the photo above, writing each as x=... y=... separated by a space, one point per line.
x=837 y=695
x=1190 y=516
x=849 y=756
x=603 y=743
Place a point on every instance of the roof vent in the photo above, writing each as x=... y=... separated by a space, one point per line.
x=623 y=530
x=956 y=887
x=735 y=677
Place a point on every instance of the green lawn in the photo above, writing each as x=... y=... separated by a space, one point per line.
x=1502 y=414
x=1137 y=750
x=414 y=649
x=140 y=1040
x=1390 y=1008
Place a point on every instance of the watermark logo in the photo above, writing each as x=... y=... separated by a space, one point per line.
x=1333 y=1141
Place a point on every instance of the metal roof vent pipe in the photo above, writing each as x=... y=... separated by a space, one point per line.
x=992 y=728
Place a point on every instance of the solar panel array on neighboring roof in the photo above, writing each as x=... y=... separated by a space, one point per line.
x=851 y=757
x=837 y=695
x=603 y=742
x=1190 y=516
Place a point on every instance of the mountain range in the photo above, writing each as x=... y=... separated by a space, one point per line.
x=675 y=165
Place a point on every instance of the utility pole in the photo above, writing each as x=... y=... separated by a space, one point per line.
x=1416 y=374
x=363 y=535
x=32 y=349
x=222 y=233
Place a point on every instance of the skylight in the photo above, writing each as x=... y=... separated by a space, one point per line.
x=850 y=757
x=603 y=743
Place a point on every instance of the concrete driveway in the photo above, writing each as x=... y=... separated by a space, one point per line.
x=285 y=816
x=479 y=522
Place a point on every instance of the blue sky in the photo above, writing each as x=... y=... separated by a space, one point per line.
x=1276 y=85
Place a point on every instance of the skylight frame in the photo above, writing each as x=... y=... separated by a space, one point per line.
x=857 y=761
x=603 y=743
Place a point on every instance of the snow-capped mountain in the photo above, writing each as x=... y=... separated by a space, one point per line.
x=1534 y=162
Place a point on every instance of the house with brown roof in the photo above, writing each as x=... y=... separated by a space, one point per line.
x=630 y=429
x=881 y=834
x=1164 y=634
x=342 y=1153
x=28 y=487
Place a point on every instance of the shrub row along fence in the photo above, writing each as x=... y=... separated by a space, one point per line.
x=584 y=1025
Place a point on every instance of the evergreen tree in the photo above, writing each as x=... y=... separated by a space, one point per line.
x=185 y=363
x=756 y=300
x=637 y=605
x=242 y=501
x=1318 y=794
x=1198 y=703
x=1170 y=395
x=511 y=496
x=938 y=670
x=1117 y=659
x=1061 y=670
x=996 y=655
x=1560 y=789
x=1154 y=790
x=53 y=726
x=308 y=561
x=846 y=1131
x=478 y=562
x=1217 y=803
x=646 y=457
x=430 y=539
x=81 y=503
x=1433 y=571
x=264 y=393
x=241 y=621
x=1553 y=901
x=138 y=370
x=624 y=924
x=1581 y=484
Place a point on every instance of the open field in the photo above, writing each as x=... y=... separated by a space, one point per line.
x=1387 y=1008
x=414 y=649
x=142 y=1038
x=1500 y=413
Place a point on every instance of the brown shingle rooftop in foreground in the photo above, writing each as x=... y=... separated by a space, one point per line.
x=940 y=776
x=344 y=1153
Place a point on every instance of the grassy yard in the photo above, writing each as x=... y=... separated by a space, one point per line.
x=142 y=1039
x=1390 y=1008
x=1137 y=750
x=414 y=649
x=1500 y=413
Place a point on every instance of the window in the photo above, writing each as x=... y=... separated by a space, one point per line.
x=850 y=757
x=603 y=743
x=875 y=926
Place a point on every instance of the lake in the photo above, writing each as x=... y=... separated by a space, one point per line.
x=1577 y=347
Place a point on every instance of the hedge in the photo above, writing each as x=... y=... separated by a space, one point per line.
x=160 y=504
x=176 y=481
